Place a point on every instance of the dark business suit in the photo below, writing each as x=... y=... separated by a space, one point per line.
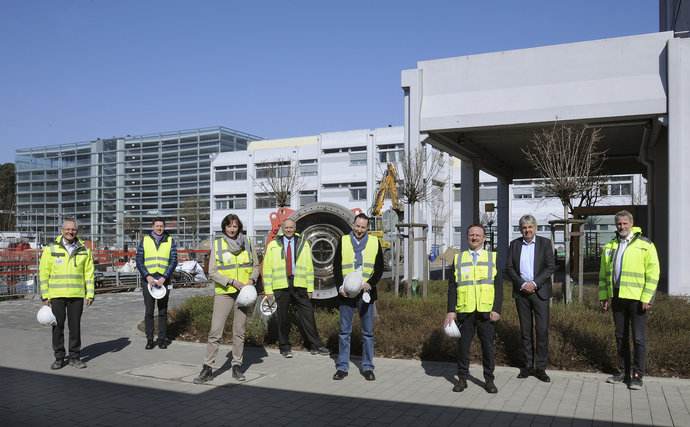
x=536 y=304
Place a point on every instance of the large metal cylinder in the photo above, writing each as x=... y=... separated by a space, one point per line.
x=322 y=224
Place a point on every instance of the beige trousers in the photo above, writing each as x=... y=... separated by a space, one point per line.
x=222 y=304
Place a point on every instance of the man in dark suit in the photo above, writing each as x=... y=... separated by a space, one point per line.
x=529 y=266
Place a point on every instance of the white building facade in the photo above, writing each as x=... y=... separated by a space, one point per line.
x=346 y=168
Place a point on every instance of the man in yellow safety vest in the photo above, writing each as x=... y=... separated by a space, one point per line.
x=288 y=274
x=628 y=278
x=156 y=262
x=66 y=276
x=475 y=298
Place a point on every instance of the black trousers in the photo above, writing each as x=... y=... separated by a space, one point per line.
x=71 y=308
x=628 y=314
x=533 y=313
x=485 y=331
x=300 y=298
x=150 y=304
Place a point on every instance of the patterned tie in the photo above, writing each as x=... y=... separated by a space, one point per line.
x=289 y=258
x=474 y=258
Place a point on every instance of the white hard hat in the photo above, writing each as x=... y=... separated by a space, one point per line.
x=157 y=292
x=247 y=296
x=46 y=317
x=268 y=307
x=353 y=283
x=452 y=330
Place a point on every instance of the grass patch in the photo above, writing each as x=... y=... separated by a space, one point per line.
x=580 y=335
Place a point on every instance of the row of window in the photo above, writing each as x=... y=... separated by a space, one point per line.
x=357 y=156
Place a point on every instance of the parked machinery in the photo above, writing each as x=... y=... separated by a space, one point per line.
x=322 y=224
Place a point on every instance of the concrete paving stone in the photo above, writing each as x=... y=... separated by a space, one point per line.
x=304 y=383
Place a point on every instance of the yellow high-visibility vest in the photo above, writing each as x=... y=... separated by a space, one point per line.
x=475 y=283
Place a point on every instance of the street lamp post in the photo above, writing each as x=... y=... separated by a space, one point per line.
x=184 y=228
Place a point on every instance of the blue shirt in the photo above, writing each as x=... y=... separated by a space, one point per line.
x=527 y=261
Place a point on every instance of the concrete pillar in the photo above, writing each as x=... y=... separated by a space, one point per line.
x=678 y=159
x=410 y=85
x=469 y=207
x=503 y=221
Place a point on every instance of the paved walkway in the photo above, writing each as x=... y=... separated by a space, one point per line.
x=127 y=385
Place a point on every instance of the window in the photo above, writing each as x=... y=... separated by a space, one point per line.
x=265 y=201
x=616 y=189
x=231 y=173
x=307 y=197
x=390 y=153
x=275 y=169
x=457 y=194
x=358 y=156
x=488 y=191
x=308 y=167
x=522 y=192
x=231 y=201
x=358 y=191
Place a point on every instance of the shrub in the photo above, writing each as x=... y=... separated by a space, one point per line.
x=580 y=335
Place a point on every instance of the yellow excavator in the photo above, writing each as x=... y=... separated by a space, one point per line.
x=387 y=186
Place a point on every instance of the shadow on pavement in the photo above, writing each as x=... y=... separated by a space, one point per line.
x=81 y=401
x=94 y=350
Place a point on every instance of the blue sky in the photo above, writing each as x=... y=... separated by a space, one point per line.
x=76 y=70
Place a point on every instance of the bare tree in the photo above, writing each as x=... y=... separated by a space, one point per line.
x=279 y=180
x=571 y=164
x=132 y=227
x=193 y=211
x=417 y=172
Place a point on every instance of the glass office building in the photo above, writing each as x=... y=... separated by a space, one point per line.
x=111 y=186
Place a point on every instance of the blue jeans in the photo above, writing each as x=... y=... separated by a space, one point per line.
x=366 y=317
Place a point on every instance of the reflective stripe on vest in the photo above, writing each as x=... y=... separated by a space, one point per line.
x=237 y=267
x=475 y=283
x=157 y=259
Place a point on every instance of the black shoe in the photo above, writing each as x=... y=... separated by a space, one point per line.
x=490 y=387
x=150 y=344
x=461 y=385
x=77 y=363
x=369 y=375
x=618 y=377
x=339 y=375
x=323 y=351
x=205 y=375
x=524 y=373
x=163 y=344
x=58 y=364
x=237 y=373
x=636 y=382
x=287 y=354
x=541 y=376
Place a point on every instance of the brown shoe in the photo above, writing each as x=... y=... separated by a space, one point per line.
x=460 y=386
x=490 y=387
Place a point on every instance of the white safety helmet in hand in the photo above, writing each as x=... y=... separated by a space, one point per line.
x=452 y=330
x=46 y=317
x=157 y=292
x=352 y=284
x=268 y=306
x=247 y=296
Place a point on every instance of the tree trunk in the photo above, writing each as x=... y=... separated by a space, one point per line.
x=566 y=278
x=410 y=252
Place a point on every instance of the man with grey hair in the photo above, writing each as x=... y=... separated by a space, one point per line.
x=628 y=277
x=66 y=275
x=529 y=266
